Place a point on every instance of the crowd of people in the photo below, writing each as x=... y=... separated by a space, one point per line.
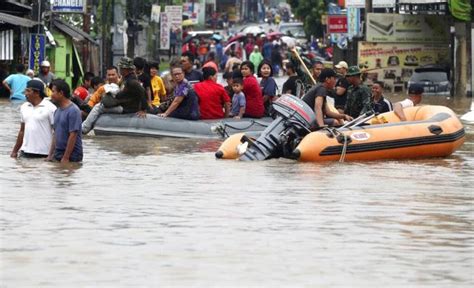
x=134 y=86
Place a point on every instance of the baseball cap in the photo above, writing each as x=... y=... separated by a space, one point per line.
x=415 y=88
x=326 y=73
x=342 y=64
x=37 y=85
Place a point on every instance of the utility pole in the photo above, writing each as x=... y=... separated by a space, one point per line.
x=460 y=78
x=367 y=10
x=118 y=49
x=86 y=26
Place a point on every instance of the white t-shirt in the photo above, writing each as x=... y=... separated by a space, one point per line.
x=38 y=121
x=407 y=103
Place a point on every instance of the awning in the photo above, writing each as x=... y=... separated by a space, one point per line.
x=75 y=33
x=13 y=4
x=18 y=21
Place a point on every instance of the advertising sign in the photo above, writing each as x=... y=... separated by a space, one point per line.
x=155 y=13
x=375 y=3
x=175 y=16
x=37 y=49
x=394 y=63
x=353 y=22
x=407 y=28
x=192 y=11
x=164 y=31
x=337 y=24
x=68 y=6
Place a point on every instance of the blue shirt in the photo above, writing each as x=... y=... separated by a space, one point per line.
x=194 y=75
x=237 y=101
x=269 y=86
x=267 y=50
x=17 y=83
x=67 y=120
x=189 y=107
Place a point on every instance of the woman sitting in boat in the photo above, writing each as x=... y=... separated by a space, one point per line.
x=267 y=84
x=214 y=102
x=316 y=98
x=415 y=92
x=185 y=104
x=253 y=94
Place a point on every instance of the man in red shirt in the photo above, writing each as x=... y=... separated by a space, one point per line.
x=214 y=102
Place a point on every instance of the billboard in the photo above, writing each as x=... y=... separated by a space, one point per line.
x=68 y=6
x=393 y=63
x=397 y=28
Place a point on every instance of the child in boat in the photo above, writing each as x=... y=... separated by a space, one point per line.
x=238 y=100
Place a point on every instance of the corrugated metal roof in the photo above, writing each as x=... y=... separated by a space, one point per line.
x=75 y=33
x=7 y=18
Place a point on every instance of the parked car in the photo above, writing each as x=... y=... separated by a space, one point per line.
x=295 y=30
x=435 y=80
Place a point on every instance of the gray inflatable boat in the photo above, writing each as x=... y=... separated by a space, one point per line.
x=155 y=126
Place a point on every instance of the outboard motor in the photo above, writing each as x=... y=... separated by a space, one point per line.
x=294 y=120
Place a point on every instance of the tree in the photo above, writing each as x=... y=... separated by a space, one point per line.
x=310 y=11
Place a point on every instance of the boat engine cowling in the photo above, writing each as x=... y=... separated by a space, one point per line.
x=293 y=120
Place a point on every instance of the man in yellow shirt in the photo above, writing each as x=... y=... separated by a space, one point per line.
x=157 y=88
x=112 y=77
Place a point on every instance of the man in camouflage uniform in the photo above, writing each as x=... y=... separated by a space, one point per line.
x=359 y=98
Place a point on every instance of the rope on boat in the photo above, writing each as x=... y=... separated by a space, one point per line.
x=344 y=149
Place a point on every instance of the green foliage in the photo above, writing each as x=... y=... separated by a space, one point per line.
x=310 y=12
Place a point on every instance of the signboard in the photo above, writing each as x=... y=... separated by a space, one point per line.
x=393 y=63
x=353 y=22
x=164 y=31
x=375 y=3
x=175 y=16
x=407 y=28
x=37 y=50
x=192 y=11
x=155 y=13
x=68 y=6
x=337 y=24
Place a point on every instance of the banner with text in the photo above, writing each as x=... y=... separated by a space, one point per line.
x=175 y=16
x=337 y=24
x=164 y=31
x=37 y=49
x=68 y=6
x=407 y=28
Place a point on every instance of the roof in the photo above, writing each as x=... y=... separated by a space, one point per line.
x=75 y=33
x=17 y=5
x=7 y=18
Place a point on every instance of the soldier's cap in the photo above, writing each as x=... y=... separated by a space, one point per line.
x=36 y=85
x=415 y=88
x=326 y=73
x=353 y=71
x=126 y=63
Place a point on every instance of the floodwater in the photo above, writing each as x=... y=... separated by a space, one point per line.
x=147 y=212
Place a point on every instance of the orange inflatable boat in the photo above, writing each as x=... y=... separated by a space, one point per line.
x=431 y=131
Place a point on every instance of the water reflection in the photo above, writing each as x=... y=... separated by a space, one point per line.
x=163 y=210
